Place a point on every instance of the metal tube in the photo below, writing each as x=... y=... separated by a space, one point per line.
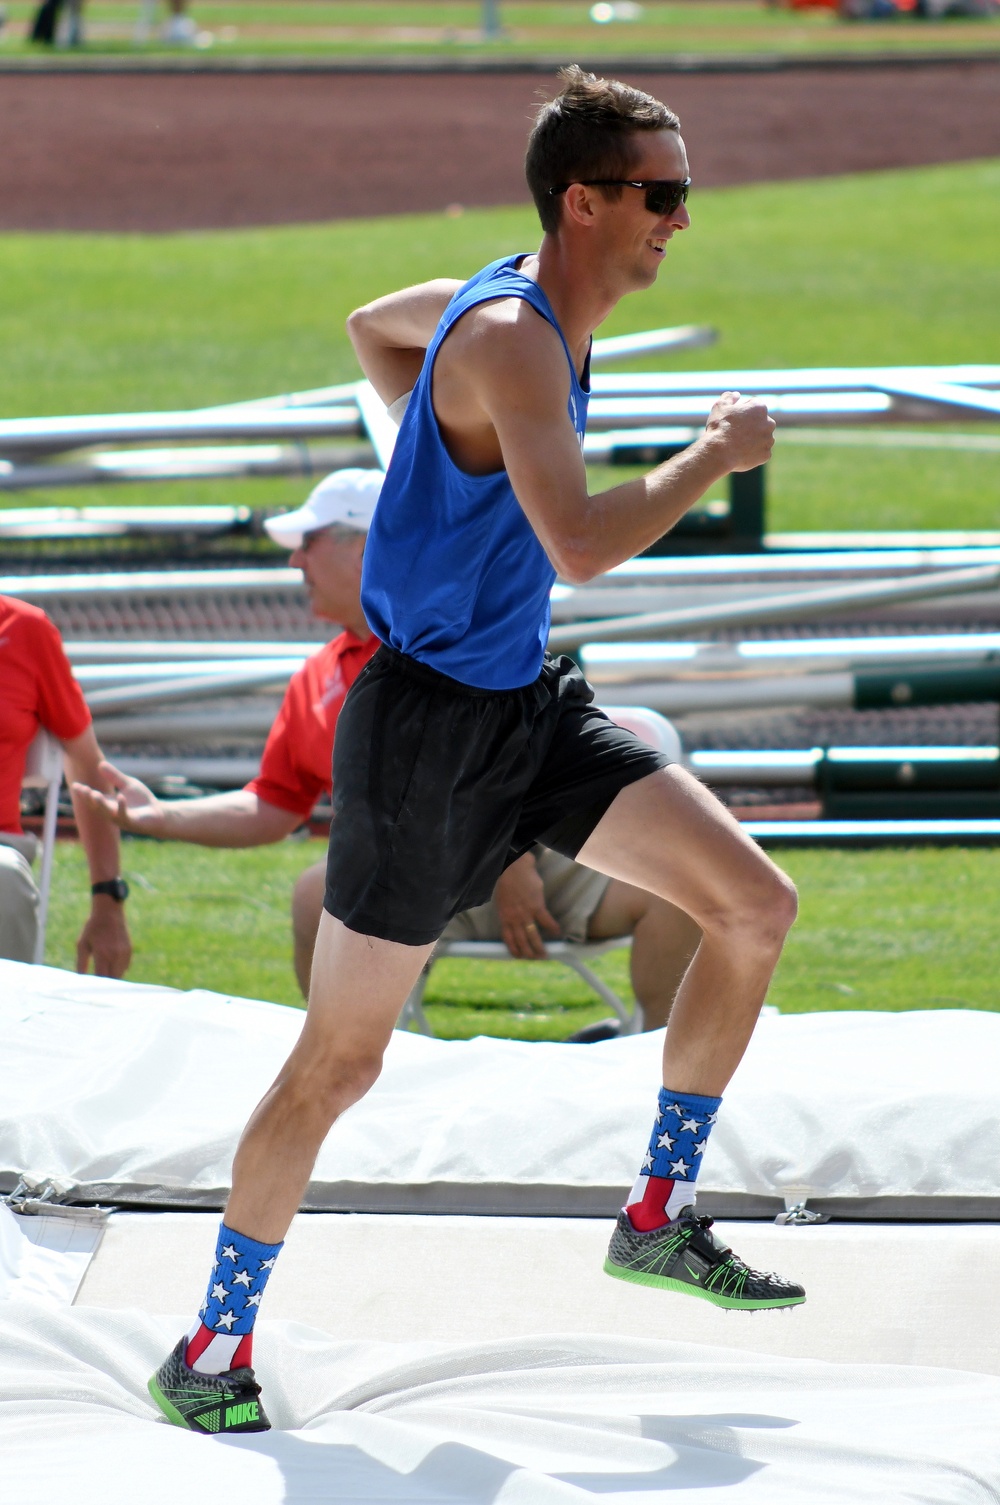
x=95 y=677
x=125 y=650
x=789 y=379
x=696 y=697
x=98 y=587
x=651 y=341
x=777 y=768
x=216 y=773
x=233 y=723
x=191 y=687
x=53 y=435
x=378 y=425
x=185 y=464
x=805 y=408
x=799 y=606
x=609 y=664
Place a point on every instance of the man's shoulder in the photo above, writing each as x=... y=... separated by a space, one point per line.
x=23 y=625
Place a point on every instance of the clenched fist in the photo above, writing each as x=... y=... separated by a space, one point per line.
x=743 y=426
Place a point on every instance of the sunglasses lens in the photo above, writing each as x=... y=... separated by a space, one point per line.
x=666 y=198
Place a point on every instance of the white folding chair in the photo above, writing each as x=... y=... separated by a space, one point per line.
x=651 y=727
x=43 y=769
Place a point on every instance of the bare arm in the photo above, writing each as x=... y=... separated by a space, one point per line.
x=508 y=366
x=391 y=335
x=104 y=938
x=235 y=819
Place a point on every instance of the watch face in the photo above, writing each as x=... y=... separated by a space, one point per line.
x=115 y=888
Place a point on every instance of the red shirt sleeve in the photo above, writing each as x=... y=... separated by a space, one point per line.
x=283 y=780
x=297 y=763
x=37 y=688
x=62 y=709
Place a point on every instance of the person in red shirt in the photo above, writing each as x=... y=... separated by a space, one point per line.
x=542 y=893
x=37 y=689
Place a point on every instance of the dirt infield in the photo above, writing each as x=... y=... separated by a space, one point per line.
x=182 y=151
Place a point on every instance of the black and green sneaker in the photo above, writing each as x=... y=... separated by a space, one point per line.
x=210 y=1403
x=686 y=1256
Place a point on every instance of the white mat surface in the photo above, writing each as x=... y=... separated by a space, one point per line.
x=44 y=1258
x=109 y=1082
x=552 y=1422
x=875 y=1293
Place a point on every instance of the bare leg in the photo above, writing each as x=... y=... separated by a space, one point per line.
x=664 y=939
x=359 y=985
x=669 y=835
x=307 y=907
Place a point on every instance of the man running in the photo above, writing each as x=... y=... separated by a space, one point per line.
x=461 y=744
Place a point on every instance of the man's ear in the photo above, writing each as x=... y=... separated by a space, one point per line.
x=578 y=204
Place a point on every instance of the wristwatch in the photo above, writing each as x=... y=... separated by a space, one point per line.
x=115 y=888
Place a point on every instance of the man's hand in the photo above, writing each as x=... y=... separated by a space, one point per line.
x=104 y=940
x=520 y=900
x=133 y=807
x=744 y=427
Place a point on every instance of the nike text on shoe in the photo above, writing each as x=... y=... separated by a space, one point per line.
x=686 y=1256
x=210 y=1403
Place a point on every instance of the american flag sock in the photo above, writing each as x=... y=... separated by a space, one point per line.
x=665 y=1182
x=222 y=1335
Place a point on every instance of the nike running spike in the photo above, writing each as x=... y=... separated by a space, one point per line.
x=209 y=1403
x=686 y=1256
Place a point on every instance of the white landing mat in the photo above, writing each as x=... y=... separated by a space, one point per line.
x=140 y=1093
x=552 y=1421
x=875 y=1293
x=44 y=1258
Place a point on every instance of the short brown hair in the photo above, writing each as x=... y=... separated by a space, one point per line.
x=586 y=132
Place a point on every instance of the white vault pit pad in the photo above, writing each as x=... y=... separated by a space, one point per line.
x=546 y=1422
x=876 y=1293
x=44 y=1258
x=138 y=1095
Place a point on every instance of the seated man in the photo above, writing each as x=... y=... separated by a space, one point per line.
x=542 y=893
x=37 y=689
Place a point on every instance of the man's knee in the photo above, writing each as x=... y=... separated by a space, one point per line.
x=762 y=908
x=327 y=1079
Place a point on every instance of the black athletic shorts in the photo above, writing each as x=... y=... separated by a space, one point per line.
x=438 y=786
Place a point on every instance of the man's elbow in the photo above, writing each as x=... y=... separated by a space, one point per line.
x=357 y=326
x=576 y=562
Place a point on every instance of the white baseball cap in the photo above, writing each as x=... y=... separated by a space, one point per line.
x=345 y=496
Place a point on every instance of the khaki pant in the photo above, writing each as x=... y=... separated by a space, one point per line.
x=18 y=897
x=572 y=894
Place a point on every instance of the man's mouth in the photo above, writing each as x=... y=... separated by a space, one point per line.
x=658 y=245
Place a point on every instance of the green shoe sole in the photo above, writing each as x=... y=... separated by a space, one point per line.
x=665 y=1283
x=170 y=1412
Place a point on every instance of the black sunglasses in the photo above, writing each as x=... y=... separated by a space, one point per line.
x=663 y=195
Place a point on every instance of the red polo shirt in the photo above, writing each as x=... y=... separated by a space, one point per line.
x=296 y=767
x=37 y=688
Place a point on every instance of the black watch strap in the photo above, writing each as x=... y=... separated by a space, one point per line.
x=115 y=888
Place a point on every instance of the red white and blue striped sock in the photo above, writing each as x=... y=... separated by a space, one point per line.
x=222 y=1335
x=665 y=1183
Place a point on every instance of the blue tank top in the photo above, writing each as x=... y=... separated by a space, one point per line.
x=453 y=573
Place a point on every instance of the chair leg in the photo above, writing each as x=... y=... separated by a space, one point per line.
x=45 y=874
x=412 y=1011
x=631 y=1022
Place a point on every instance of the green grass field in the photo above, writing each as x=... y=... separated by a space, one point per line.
x=565 y=31
x=893 y=267
x=892 y=929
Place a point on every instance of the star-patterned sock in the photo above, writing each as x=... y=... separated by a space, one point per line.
x=670 y=1166
x=222 y=1335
